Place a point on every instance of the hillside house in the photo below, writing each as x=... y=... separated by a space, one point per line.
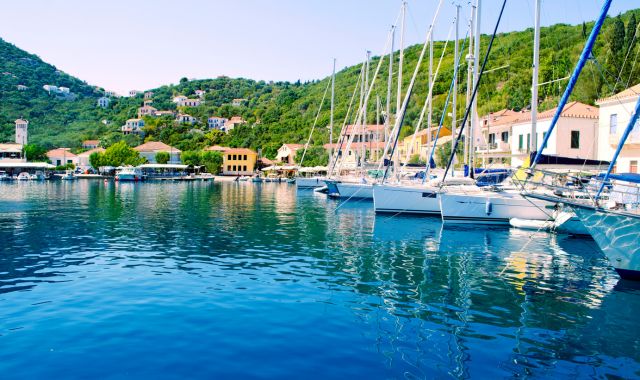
x=21 y=87
x=103 y=102
x=200 y=93
x=146 y=111
x=90 y=144
x=233 y=122
x=238 y=102
x=186 y=118
x=216 y=122
x=189 y=102
x=133 y=126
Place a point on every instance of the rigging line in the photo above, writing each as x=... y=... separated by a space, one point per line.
x=619 y=101
x=426 y=101
x=633 y=68
x=313 y=127
x=628 y=52
x=474 y=93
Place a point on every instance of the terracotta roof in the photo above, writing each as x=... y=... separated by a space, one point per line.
x=236 y=119
x=266 y=161
x=368 y=128
x=294 y=146
x=156 y=146
x=502 y=117
x=136 y=119
x=218 y=148
x=358 y=145
x=10 y=147
x=91 y=142
x=21 y=121
x=60 y=152
x=571 y=109
x=240 y=150
x=630 y=92
x=91 y=151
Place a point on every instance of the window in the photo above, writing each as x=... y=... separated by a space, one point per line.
x=575 y=139
x=520 y=141
x=492 y=138
x=58 y=162
x=234 y=158
x=613 y=123
x=633 y=166
x=244 y=168
x=234 y=168
x=228 y=168
x=505 y=136
x=244 y=157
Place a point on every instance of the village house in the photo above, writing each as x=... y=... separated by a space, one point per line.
x=179 y=98
x=575 y=134
x=189 y=102
x=50 y=88
x=149 y=150
x=186 y=118
x=615 y=113
x=422 y=144
x=83 y=160
x=233 y=122
x=147 y=102
x=146 y=111
x=217 y=148
x=238 y=102
x=495 y=128
x=239 y=161
x=165 y=113
x=109 y=93
x=287 y=153
x=64 y=90
x=368 y=142
x=21 y=87
x=216 y=122
x=90 y=144
x=11 y=152
x=104 y=102
x=134 y=93
x=62 y=156
x=148 y=95
x=133 y=126
x=200 y=93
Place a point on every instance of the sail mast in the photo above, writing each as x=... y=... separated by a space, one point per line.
x=333 y=91
x=470 y=60
x=387 y=122
x=474 y=105
x=454 y=99
x=430 y=96
x=401 y=61
x=534 y=79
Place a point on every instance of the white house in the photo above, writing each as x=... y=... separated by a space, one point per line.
x=495 y=129
x=216 y=122
x=200 y=93
x=50 y=88
x=185 y=118
x=238 y=102
x=83 y=160
x=133 y=126
x=575 y=134
x=233 y=122
x=62 y=156
x=179 y=98
x=146 y=111
x=134 y=93
x=104 y=102
x=148 y=95
x=189 y=102
x=287 y=153
x=149 y=150
x=21 y=87
x=22 y=131
x=615 y=113
x=11 y=152
x=64 y=90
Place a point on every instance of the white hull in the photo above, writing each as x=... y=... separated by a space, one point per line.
x=406 y=199
x=355 y=190
x=568 y=223
x=617 y=235
x=487 y=207
x=310 y=183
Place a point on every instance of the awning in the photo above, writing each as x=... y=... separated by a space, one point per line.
x=163 y=166
x=560 y=162
x=26 y=165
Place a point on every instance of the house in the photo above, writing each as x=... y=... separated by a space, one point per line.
x=216 y=122
x=146 y=111
x=62 y=156
x=149 y=150
x=495 y=141
x=233 y=122
x=372 y=151
x=186 y=118
x=147 y=102
x=11 y=152
x=200 y=93
x=133 y=126
x=103 y=102
x=21 y=87
x=287 y=153
x=238 y=102
x=64 y=90
x=575 y=134
x=148 y=95
x=217 y=148
x=90 y=144
x=22 y=131
x=422 y=144
x=189 y=102
x=615 y=113
x=179 y=98
x=109 y=93
x=50 y=88
x=83 y=160
x=134 y=93
x=239 y=161
x=165 y=113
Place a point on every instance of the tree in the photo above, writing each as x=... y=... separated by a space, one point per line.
x=35 y=152
x=212 y=160
x=632 y=26
x=584 y=30
x=315 y=156
x=162 y=157
x=120 y=154
x=190 y=157
x=95 y=159
x=415 y=159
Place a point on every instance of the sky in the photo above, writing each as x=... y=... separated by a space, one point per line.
x=141 y=44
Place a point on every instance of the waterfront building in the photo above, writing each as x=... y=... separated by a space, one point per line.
x=149 y=150
x=186 y=118
x=287 y=153
x=369 y=140
x=216 y=122
x=133 y=126
x=22 y=131
x=495 y=142
x=422 y=143
x=615 y=112
x=575 y=134
x=239 y=161
x=83 y=160
x=11 y=152
x=90 y=144
x=103 y=102
x=62 y=156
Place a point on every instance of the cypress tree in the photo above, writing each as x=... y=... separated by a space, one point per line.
x=631 y=32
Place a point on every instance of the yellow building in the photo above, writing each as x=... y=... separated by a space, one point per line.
x=239 y=161
x=422 y=143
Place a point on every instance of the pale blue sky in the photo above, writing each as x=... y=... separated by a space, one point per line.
x=141 y=44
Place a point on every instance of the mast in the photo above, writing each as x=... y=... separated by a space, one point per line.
x=470 y=60
x=358 y=122
x=333 y=92
x=474 y=105
x=534 y=79
x=430 y=95
x=454 y=99
x=363 y=137
x=387 y=122
x=399 y=100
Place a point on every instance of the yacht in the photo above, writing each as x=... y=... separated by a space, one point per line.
x=4 y=176
x=68 y=176
x=37 y=176
x=129 y=174
x=24 y=176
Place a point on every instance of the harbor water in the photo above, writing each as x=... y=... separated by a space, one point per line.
x=243 y=280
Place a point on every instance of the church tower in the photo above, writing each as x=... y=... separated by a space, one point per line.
x=22 y=127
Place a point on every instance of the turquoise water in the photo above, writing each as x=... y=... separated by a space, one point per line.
x=240 y=280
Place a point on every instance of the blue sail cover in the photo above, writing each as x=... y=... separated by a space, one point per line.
x=627 y=177
x=545 y=159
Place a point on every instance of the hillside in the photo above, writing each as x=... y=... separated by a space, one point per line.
x=283 y=112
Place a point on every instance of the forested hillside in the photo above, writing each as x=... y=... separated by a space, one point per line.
x=284 y=112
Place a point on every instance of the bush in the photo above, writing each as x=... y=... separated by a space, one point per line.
x=212 y=161
x=162 y=157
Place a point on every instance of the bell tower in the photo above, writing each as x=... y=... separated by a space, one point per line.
x=22 y=127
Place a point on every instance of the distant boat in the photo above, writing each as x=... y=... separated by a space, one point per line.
x=37 y=176
x=129 y=174
x=4 y=176
x=68 y=176
x=24 y=176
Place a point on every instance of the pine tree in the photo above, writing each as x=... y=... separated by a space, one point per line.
x=616 y=41
x=584 y=30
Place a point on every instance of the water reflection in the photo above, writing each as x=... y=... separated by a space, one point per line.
x=425 y=300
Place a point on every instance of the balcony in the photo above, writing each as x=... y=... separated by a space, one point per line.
x=632 y=141
x=495 y=147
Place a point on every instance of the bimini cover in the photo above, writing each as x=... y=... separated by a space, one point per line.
x=566 y=161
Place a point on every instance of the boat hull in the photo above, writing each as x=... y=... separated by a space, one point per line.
x=354 y=190
x=128 y=178
x=406 y=200
x=309 y=183
x=491 y=208
x=617 y=235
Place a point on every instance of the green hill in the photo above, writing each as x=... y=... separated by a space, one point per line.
x=284 y=112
